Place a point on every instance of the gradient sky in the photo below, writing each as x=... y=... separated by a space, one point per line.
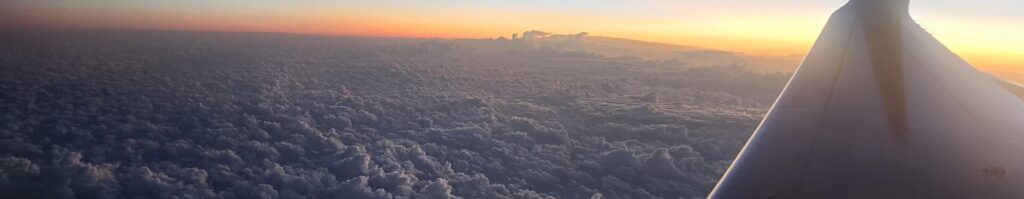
x=986 y=32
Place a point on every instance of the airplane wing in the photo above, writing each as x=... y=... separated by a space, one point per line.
x=1012 y=87
x=880 y=109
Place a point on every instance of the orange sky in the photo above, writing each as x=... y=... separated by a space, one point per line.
x=785 y=27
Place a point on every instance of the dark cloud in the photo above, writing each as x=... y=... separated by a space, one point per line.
x=228 y=115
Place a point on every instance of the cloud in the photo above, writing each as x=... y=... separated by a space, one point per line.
x=229 y=115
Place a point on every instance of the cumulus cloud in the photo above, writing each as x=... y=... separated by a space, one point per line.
x=231 y=115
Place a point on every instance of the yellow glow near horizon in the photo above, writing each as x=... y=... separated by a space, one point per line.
x=991 y=46
x=786 y=29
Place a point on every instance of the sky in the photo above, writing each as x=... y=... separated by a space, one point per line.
x=985 y=32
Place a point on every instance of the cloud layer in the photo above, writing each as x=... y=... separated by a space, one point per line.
x=223 y=115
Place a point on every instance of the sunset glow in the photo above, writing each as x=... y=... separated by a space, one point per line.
x=986 y=33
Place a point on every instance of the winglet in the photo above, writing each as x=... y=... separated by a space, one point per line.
x=882 y=6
